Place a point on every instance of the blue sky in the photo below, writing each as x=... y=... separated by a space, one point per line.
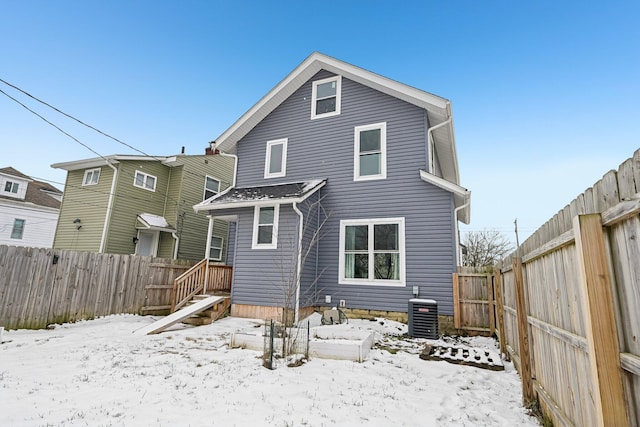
x=544 y=94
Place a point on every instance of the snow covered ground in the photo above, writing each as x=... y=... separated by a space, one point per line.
x=98 y=373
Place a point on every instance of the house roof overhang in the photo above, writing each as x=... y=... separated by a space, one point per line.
x=112 y=159
x=461 y=196
x=294 y=192
x=154 y=222
x=438 y=109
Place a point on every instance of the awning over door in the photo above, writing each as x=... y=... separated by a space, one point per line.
x=154 y=222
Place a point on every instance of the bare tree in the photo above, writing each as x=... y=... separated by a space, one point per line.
x=291 y=293
x=485 y=248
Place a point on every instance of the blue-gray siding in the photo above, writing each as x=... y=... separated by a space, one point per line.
x=323 y=148
x=231 y=243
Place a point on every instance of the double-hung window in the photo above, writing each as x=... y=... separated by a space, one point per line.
x=215 y=248
x=275 y=163
x=146 y=181
x=325 y=97
x=372 y=252
x=370 y=152
x=211 y=187
x=265 y=227
x=18 y=228
x=11 y=187
x=91 y=177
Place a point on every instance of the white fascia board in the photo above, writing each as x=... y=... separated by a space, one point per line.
x=444 y=184
x=100 y=161
x=315 y=62
x=204 y=205
x=21 y=205
x=16 y=178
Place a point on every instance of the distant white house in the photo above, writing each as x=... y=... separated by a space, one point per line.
x=29 y=210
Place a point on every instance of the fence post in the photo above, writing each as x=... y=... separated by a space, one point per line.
x=602 y=334
x=456 y=301
x=523 y=333
x=492 y=307
x=501 y=337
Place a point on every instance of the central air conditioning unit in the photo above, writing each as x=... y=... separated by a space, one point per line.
x=423 y=318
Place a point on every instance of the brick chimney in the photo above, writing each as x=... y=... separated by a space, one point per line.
x=211 y=149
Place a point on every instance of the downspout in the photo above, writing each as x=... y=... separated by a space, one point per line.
x=457 y=230
x=298 y=266
x=431 y=149
x=107 y=218
x=175 y=249
x=235 y=166
x=206 y=255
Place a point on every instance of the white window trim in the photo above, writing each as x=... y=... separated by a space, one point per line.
x=256 y=219
x=401 y=246
x=143 y=186
x=338 y=80
x=215 y=247
x=383 y=152
x=267 y=158
x=90 y=171
x=206 y=178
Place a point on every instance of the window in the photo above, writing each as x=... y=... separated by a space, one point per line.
x=18 y=229
x=142 y=180
x=265 y=227
x=215 y=249
x=91 y=177
x=370 y=152
x=325 y=97
x=275 y=163
x=372 y=252
x=11 y=187
x=211 y=187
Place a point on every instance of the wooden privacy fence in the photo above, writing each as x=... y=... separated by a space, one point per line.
x=568 y=306
x=473 y=302
x=43 y=286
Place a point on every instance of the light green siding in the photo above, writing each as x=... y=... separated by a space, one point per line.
x=89 y=205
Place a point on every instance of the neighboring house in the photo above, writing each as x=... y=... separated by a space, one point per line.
x=28 y=210
x=368 y=163
x=127 y=204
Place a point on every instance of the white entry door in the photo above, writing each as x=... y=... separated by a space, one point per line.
x=147 y=243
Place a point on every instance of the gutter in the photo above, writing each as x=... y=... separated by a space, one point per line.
x=107 y=218
x=298 y=266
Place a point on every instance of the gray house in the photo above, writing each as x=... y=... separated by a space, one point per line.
x=346 y=193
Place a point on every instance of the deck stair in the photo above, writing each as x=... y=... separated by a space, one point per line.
x=211 y=314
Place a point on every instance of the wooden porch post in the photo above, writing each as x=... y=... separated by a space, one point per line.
x=523 y=333
x=600 y=322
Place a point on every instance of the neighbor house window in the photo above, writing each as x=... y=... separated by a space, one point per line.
x=370 y=152
x=143 y=180
x=325 y=97
x=18 y=229
x=215 y=249
x=211 y=187
x=91 y=177
x=11 y=187
x=372 y=252
x=275 y=164
x=265 y=227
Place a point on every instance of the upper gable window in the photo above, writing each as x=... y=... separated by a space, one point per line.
x=91 y=177
x=143 y=180
x=11 y=187
x=275 y=163
x=211 y=187
x=370 y=152
x=325 y=97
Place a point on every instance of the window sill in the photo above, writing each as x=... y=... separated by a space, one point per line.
x=392 y=283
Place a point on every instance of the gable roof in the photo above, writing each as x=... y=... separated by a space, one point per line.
x=438 y=109
x=38 y=192
x=293 y=192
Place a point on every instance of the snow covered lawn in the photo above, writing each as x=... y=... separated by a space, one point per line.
x=98 y=373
